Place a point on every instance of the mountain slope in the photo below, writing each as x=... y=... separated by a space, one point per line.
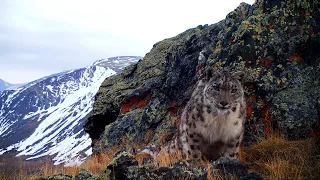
x=5 y=85
x=45 y=117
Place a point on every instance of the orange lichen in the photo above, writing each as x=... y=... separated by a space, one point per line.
x=251 y=86
x=173 y=110
x=305 y=13
x=311 y=30
x=296 y=57
x=302 y=13
x=266 y=62
x=270 y=24
x=251 y=100
x=249 y=110
x=231 y=39
x=135 y=102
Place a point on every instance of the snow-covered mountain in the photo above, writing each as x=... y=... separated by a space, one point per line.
x=5 y=85
x=45 y=117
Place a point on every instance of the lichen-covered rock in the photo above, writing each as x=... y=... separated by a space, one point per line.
x=296 y=108
x=119 y=166
x=275 y=42
x=57 y=177
x=124 y=166
x=179 y=170
x=83 y=175
x=232 y=167
x=252 y=176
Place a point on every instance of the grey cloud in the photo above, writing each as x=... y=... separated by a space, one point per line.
x=57 y=51
x=38 y=37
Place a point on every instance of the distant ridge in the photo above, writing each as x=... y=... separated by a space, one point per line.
x=45 y=117
x=5 y=85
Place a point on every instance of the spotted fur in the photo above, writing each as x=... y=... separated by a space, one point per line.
x=218 y=106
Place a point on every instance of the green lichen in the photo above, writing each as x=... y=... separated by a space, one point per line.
x=105 y=175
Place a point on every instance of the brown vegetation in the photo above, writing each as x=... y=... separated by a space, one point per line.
x=274 y=157
x=12 y=167
x=278 y=158
x=165 y=159
x=98 y=162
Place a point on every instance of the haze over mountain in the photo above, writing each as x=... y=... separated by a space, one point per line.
x=5 y=85
x=44 y=117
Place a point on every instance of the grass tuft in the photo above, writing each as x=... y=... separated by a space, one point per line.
x=97 y=163
x=278 y=158
x=165 y=159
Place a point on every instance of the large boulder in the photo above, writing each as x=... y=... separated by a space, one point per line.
x=275 y=42
x=118 y=168
x=124 y=166
x=232 y=167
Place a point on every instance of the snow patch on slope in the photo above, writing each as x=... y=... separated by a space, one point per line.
x=45 y=117
x=56 y=134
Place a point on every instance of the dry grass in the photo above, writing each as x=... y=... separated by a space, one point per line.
x=213 y=174
x=44 y=167
x=278 y=158
x=274 y=157
x=165 y=159
x=49 y=169
x=97 y=163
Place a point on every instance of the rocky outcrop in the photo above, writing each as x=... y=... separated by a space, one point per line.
x=56 y=177
x=84 y=175
x=124 y=166
x=275 y=42
x=233 y=167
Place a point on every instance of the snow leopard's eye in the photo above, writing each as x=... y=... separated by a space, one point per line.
x=234 y=91
x=216 y=87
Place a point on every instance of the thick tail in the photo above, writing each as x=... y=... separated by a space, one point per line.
x=152 y=150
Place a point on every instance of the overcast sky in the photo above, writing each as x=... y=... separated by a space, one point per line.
x=42 y=37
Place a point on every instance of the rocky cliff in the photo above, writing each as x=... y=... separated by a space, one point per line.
x=275 y=42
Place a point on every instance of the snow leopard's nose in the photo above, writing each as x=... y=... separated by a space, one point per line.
x=224 y=104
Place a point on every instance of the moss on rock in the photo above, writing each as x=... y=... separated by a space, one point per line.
x=275 y=43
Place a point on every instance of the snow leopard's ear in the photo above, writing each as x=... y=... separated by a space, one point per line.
x=239 y=75
x=207 y=74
